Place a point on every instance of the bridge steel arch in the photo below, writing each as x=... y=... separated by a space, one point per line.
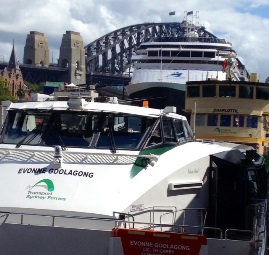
x=110 y=55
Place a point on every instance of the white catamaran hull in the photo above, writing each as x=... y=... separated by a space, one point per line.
x=84 y=177
x=73 y=187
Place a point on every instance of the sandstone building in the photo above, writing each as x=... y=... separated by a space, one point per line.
x=12 y=75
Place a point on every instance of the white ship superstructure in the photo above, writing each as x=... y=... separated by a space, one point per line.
x=187 y=52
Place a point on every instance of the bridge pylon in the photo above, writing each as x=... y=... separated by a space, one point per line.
x=36 y=50
x=72 y=56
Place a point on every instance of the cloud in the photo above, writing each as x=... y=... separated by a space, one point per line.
x=243 y=22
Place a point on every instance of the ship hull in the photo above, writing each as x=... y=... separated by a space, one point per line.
x=159 y=95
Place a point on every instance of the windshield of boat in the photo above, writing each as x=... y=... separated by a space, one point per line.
x=75 y=129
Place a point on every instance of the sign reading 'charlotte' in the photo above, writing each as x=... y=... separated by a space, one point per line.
x=226 y=110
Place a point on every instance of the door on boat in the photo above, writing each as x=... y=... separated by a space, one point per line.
x=236 y=183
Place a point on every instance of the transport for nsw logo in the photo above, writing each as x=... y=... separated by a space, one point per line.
x=45 y=183
x=43 y=190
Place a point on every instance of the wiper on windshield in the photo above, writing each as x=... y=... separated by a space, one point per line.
x=111 y=137
x=32 y=132
x=27 y=127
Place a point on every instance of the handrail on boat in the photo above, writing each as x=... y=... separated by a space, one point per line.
x=154 y=210
x=236 y=230
x=122 y=216
x=176 y=228
x=7 y=214
x=122 y=222
x=184 y=214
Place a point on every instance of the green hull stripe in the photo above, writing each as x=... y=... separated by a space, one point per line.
x=141 y=163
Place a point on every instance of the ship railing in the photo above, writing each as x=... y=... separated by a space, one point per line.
x=153 y=213
x=121 y=222
x=165 y=215
x=23 y=220
x=228 y=234
x=190 y=39
x=121 y=218
x=201 y=211
x=175 y=228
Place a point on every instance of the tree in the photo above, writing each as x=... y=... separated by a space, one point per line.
x=5 y=93
x=21 y=94
x=35 y=87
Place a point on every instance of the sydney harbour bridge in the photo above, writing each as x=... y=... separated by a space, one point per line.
x=108 y=58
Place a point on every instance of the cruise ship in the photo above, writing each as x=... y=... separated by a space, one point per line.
x=187 y=52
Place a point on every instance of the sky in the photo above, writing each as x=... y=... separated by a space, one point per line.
x=244 y=23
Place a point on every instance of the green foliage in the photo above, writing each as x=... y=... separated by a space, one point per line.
x=21 y=93
x=38 y=88
x=5 y=93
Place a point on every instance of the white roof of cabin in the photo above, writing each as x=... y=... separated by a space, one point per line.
x=93 y=106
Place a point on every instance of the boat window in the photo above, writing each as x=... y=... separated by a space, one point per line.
x=185 y=54
x=262 y=93
x=209 y=90
x=175 y=53
x=245 y=92
x=122 y=131
x=238 y=121
x=225 y=120
x=153 y=53
x=178 y=124
x=196 y=61
x=200 y=119
x=252 y=121
x=196 y=54
x=212 y=120
x=187 y=130
x=193 y=91
x=168 y=131
x=227 y=91
x=25 y=127
x=165 y=53
x=156 y=137
x=209 y=54
x=69 y=129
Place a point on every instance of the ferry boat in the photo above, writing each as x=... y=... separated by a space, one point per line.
x=186 y=52
x=234 y=111
x=95 y=176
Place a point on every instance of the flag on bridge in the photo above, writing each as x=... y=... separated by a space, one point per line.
x=172 y=13
x=189 y=13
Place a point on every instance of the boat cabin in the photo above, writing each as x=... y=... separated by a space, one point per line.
x=235 y=111
x=96 y=125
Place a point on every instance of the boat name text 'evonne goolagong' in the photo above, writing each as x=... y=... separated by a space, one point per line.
x=55 y=171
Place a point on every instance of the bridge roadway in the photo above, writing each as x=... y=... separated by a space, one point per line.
x=36 y=75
